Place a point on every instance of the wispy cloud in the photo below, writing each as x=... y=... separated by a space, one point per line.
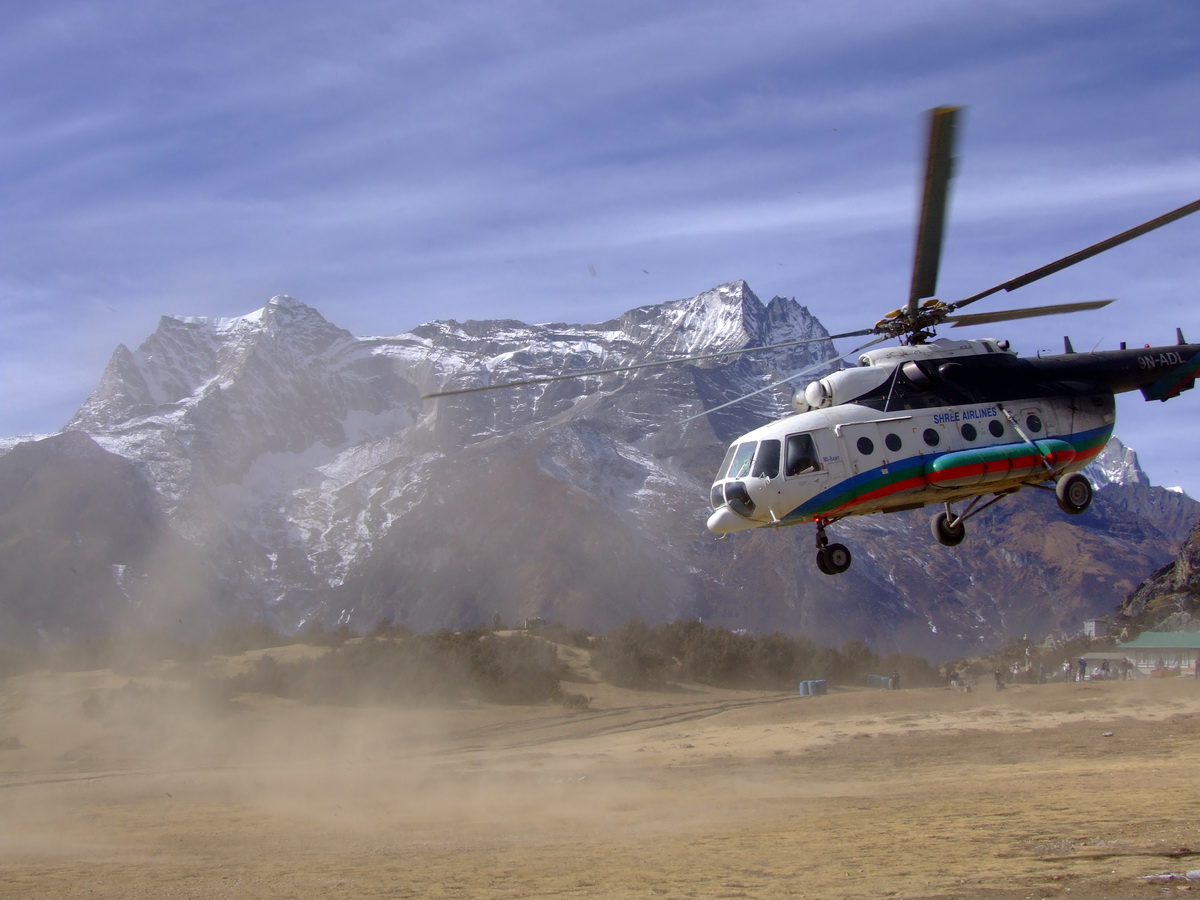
x=389 y=162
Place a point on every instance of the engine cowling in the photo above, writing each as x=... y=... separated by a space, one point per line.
x=844 y=386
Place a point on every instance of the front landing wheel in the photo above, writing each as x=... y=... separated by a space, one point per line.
x=947 y=534
x=1074 y=494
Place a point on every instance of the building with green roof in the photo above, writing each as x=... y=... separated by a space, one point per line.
x=1158 y=650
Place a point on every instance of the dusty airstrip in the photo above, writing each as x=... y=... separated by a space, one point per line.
x=1059 y=790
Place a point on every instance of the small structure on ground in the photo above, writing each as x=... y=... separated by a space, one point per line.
x=1163 y=651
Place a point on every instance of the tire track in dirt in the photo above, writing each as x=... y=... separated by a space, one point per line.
x=630 y=720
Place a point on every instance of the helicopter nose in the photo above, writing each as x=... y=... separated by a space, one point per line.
x=726 y=521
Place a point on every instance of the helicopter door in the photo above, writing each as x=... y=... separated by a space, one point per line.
x=831 y=452
x=1037 y=422
x=863 y=447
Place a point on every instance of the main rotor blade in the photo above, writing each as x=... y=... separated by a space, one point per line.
x=939 y=165
x=1085 y=253
x=814 y=367
x=644 y=365
x=1029 y=312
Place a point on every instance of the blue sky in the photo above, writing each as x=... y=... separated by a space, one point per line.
x=394 y=162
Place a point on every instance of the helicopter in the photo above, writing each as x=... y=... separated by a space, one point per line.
x=933 y=421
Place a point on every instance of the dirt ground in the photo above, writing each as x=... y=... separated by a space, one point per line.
x=109 y=789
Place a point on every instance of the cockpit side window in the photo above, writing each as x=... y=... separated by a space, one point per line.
x=742 y=458
x=766 y=461
x=801 y=457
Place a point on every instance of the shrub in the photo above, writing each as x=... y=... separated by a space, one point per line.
x=439 y=667
x=632 y=655
x=642 y=657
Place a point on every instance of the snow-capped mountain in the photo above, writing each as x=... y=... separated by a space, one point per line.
x=306 y=479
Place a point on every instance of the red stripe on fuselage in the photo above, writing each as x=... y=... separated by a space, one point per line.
x=989 y=467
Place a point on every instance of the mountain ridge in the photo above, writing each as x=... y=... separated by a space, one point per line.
x=299 y=463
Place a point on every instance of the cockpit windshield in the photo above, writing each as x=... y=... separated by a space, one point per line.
x=742 y=459
x=751 y=459
x=766 y=461
x=724 y=470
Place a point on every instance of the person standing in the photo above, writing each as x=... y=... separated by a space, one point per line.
x=1082 y=669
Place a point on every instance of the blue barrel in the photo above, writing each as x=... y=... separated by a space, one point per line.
x=822 y=687
x=804 y=689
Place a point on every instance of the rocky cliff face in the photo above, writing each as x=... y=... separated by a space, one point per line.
x=306 y=479
x=85 y=547
x=1169 y=599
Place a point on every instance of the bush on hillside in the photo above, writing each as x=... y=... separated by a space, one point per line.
x=439 y=667
x=633 y=655
x=636 y=655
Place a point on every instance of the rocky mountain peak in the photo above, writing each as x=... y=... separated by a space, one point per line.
x=287 y=315
x=1118 y=465
x=121 y=394
x=727 y=317
x=312 y=481
x=189 y=357
x=284 y=330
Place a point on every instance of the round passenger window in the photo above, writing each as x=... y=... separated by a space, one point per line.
x=968 y=432
x=1033 y=423
x=893 y=442
x=865 y=447
x=996 y=428
x=932 y=437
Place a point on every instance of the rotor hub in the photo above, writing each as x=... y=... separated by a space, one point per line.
x=914 y=326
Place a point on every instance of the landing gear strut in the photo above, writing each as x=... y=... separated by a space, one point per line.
x=832 y=559
x=1074 y=493
x=949 y=529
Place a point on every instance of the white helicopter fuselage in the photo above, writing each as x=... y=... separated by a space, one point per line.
x=854 y=459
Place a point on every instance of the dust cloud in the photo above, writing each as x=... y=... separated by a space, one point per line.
x=116 y=785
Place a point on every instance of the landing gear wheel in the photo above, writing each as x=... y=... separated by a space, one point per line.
x=947 y=534
x=1074 y=494
x=822 y=564
x=833 y=559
